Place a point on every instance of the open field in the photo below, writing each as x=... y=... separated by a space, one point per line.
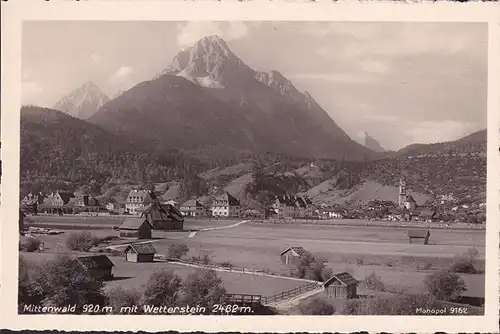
x=358 y=250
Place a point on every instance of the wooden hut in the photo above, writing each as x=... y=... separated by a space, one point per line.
x=138 y=228
x=292 y=255
x=163 y=217
x=419 y=235
x=99 y=266
x=341 y=286
x=144 y=252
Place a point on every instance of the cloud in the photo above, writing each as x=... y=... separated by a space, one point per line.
x=31 y=92
x=350 y=78
x=372 y=66
x=96 y=57
x=439 y=131
x=123 y=74
x=192 y=31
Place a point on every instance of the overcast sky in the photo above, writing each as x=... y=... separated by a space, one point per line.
x=401 y=82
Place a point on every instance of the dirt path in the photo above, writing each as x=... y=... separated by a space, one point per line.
x=294 y=301
x=193 y=234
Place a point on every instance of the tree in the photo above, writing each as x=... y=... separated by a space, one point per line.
x=266 y=199
x=162 y=288
x=374 y=282
x=120 y=297
x=31 y=244
x=316 y=306
x=81 y=241
x=63 y=281
x=445 y=285
x=177 y=251
x=203 y=287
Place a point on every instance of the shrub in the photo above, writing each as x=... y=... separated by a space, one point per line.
x=63 y=281
x=445 y=285
x=353 y=307
x=177 y=251
x=31 y=245
x=162 y=288
x=316 y=306
x=119 y=297
x=203 y=287
x=465 y=263
x=81 y=241
x=374 y=282
x=360 y=260
x=203 y=258
x=311 y=268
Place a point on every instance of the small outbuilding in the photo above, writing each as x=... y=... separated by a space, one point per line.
x=419 y=235
x=292 y=255
x=140 y=252
x=341 y=286
x=99 y=266
x=138 y=228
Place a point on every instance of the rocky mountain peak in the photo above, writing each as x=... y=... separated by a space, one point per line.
x=372 y=144
x=83 y=102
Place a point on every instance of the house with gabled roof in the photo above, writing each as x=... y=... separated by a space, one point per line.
x=143 y=252
x=139 y=198
x=99 y=266
x=138 y=228
x=341 y=286
x=226 y=205
x=193 y=208
x=292 y=255
x=163 y=217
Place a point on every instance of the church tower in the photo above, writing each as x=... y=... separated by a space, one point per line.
x=402 y=192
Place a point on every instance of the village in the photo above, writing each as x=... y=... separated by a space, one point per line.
x=446 y=209
x=310 y=250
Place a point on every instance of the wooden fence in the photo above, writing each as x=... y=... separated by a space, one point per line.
x=290 y=293
x=244 y=298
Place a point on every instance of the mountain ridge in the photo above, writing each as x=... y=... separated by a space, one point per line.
x=82 y=102
x=257 y=111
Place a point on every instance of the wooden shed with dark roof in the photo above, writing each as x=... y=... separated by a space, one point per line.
x=419 y=235
x=292 y=255
x=138 y=228
x=143 y=252
x=99 y=266
x=341 y=286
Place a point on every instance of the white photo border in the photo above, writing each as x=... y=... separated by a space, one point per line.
x=15 y=12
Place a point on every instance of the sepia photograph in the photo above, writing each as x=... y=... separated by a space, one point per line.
x=283 y=168
x=277 y=168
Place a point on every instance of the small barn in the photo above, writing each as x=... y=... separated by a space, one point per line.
x=140 y=252
x=99 y=266
x=341 y=286
x=163 y=217
x=416 y=236
x=138 y=228
x=292 y=255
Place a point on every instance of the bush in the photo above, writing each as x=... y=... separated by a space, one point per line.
x=465 y=263
x=177 y=251
x=424 y=266
x=374 y=282
x=360 y=260
x=404 y=304
x=162 y=288
x=316 y=306
x=31 y=245
x=81 y=241
x=119 y=297
x=311 y=268
x=203 y=287
x=63 y=281
x=226 y=264
x=203 y=258
x=353 y=307
x=445 y=285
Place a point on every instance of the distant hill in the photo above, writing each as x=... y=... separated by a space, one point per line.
x=209 y=100
x=83 y=102
x=61 y=152
x=473 y=143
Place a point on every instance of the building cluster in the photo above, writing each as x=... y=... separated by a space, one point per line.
x=61 y=202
